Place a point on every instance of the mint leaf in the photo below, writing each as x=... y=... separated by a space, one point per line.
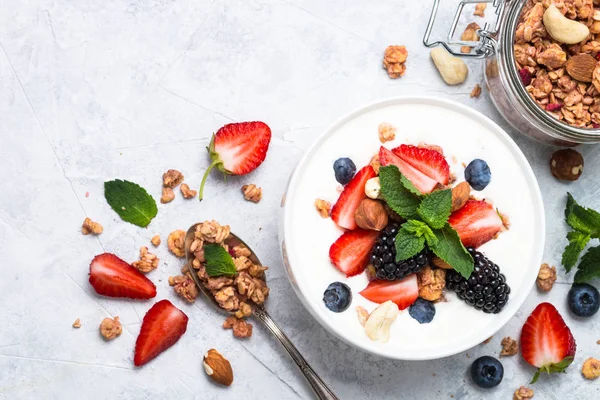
x=435 y=208
x=408 y=185
x=577 y=242
x=589 y=266
x=131 y=201
x=584 y=220
x=450 y=249
x=218 y=261
x=420 y=229
x=408 y=245
x=570 y=203
x=400 y=199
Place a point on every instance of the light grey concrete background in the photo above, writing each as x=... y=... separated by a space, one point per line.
x=90 y=91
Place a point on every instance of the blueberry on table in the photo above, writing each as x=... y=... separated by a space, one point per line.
x=478 y=174
x=584 y=300
x=422 y=310
x=344 y=169
x=337 y=297
x=487 y=372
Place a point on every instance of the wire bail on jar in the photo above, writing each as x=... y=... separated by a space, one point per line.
x=482 y=48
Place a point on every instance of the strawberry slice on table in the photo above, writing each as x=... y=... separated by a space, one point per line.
x=162 y=327
x=403 y=292
x=342 y=212
x=476 y=223
x=238 y=148
x=111 y=276
x=350 y=253
x=430 y=162
x=421 y=181
x=546 y=341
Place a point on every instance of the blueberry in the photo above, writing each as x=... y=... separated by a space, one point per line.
x=478 y=174
x=422 y=310
x=344 y=170
x=583 y=300
x=337 y=297
x=487 y=372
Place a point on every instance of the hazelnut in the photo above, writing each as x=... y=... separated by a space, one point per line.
x=218 y=368
x=566 y=164
x=371 y=215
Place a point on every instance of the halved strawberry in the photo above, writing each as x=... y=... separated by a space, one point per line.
x=342 y=212
x=238 y=148
x=403 y=292
x=430 y=162
x=350 y=253
x=546 y=341
x=477 y=222
x=162 y=327
x=421 y=181
x=113 y=277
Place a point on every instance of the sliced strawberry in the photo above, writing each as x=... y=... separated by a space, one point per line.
x=477 y=222
x=238 y=148
x=421 y=181
x=342 y=212
x=162 y=327
x=430 y=162
x=113 y=277
x=403 y=292
x=350 y=253
x=546 y=341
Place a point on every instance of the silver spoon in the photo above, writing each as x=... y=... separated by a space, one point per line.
x=317 y=385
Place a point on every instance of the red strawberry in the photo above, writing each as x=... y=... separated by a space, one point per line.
x=546 y=341
x=421 y=181
x=477 y=222
x=238 y=148
x=350 y=253
x=342 y=212
x=430 y=162
x=403 y=292
x=110 y=276
x=162 y=327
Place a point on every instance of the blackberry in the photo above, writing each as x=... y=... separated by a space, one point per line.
x=383 y=257
x=486 y=288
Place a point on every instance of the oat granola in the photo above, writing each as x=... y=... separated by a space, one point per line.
x=546 y=278
x=187 y=192
x=323 y=207
x=110 y=328
x=510 y=347
x=147 y=262
x=523 y=393
x=185 y=287
x=431 y=283
x=387 y=132
x=167 y=195
x=394 y=60
x=469 y=35
x=176 y=242
x=155 y=240
x=591 y=368
x=92 y=227
x=476 y=92
x=241 y=328
x=480 y=9
x=252 y=193
x=77 y=324
x=172 y=178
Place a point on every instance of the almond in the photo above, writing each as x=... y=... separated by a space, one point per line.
x=371 y=215
x=438 y=262
x=581 y=67
x=218 y=368
x=460 y=195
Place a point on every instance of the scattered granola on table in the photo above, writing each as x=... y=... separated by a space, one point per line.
x=176 y=242
x=323 y=207
x=252 y=193
x=486 y=341
x=546 y=278
x=185 y=287
x=476 y=92
x=92 y=227
x=510 y=347
x=523 y=393
x=110 y=328
x=241 y=328
x=155 y=240
x=591 y=368
x=187 y=192
x=480 y=9
x=77 y=324
x=147 y=262
x=172 y=178
x=387 y=132
x=394 y=60
x=167 y=195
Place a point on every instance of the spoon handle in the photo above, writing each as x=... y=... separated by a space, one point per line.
x=317 y=385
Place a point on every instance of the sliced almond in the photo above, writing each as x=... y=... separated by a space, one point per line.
x=581 y=67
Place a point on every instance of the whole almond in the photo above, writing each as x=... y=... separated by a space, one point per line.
x=218 y=368
x=460 y=195
x=581 y=67
x=371 y=215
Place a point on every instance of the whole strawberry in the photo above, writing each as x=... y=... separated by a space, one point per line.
x=546 y=341
x=237 y=149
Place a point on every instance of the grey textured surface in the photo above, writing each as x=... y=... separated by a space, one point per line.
x=96 y=90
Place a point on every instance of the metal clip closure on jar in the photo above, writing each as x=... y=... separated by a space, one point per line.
x=482 y=48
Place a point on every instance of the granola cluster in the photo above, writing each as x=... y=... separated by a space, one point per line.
x=394 y=60
x=92 y=227
x=110 y=328
x=559 y=76
x=546 y=278
x=147 y=261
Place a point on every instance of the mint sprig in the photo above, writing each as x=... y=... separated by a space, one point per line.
x=408 y=245
x=435 y=208
x=131 y=201
x=400 y=199
x=218 y=261
x=450 y=249
x=420 y=229
x=585 y=224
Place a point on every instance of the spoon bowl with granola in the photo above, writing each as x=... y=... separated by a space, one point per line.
x=232 y=278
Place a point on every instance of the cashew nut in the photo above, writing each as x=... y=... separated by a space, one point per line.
x=452 y=69
x=379 y=322
x=373 y=188
x=563 y=29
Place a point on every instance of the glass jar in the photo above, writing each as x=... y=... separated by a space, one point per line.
x=504 y=84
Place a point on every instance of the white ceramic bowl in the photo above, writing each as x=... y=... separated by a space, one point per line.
x=464 y=134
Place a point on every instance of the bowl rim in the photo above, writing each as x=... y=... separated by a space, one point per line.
x=528 y=174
